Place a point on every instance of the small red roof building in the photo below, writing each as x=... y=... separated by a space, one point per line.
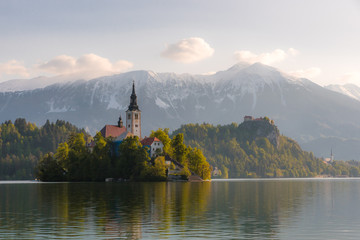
x=154 y=144
x=147 y=141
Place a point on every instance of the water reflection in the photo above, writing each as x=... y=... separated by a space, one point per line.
x=218 y=209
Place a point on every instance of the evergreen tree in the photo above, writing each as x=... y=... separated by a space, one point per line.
x=49 y=169
x=22 y=144
x=179 y=149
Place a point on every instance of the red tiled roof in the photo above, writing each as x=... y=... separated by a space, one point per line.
x=149 y=140
x=112 y=131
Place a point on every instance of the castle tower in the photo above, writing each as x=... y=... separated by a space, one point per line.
x=133 y=115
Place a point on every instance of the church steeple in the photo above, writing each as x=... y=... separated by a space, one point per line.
x=133 y=100
x=133 y=115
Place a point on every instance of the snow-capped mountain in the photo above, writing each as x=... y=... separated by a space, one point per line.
x=34 y=83
x=350 y=90
x=303 y=110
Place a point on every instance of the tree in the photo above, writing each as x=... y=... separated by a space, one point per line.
x=155 y=172
x=62 y=155
x=224 y=172
x=198 y=163
x=133 y=159
x=100 y=165
x=179 y=149
x=78 y=163
x=48 y=169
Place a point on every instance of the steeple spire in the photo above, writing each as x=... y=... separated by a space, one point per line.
x=133 y=90
x=133 y=100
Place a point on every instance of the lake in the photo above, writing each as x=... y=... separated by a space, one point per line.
x=221 y=209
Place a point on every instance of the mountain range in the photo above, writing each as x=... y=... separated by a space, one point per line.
x=319 y=118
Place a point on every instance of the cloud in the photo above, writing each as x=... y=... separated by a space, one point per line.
x=188 y=50
x=292 y=52
x=13 y=67
x=87 y=66
x=351 y=77
x=277 y=55
x=306 y=73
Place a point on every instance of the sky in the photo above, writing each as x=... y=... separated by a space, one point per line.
x=318 y=40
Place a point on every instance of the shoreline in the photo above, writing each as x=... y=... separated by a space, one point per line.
x=212 y=180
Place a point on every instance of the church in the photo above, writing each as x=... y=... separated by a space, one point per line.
x=133 y=121
x=132 y=127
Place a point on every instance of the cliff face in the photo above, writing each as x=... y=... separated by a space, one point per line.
x=251 y=130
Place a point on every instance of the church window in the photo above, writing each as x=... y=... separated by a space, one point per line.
x=136 y=125
x=129 y=126
x=129 y=116
x=136 y=116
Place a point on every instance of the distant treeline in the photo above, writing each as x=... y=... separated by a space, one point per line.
x=239 y=151
x=22 y=144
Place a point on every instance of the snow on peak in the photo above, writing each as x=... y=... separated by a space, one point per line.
x=35 y=83
x=350 y=90
x=239 y=75
x=256 y=74
x=238 y=67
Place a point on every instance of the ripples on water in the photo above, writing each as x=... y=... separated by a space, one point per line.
x=231 y=209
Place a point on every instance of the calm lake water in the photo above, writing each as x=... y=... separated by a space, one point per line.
x=232 y=209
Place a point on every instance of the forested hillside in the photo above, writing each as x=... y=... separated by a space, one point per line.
x=250 y=149
x=22 y=144
x=256 y=149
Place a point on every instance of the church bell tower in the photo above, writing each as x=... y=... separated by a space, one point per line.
x=133 y=115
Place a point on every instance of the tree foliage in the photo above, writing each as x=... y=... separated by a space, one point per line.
x=22 y=144
x=78 y=162
x=131 y=162
x=240 y=151
x=133 y=159
x=191 y=158
x=49 y=170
